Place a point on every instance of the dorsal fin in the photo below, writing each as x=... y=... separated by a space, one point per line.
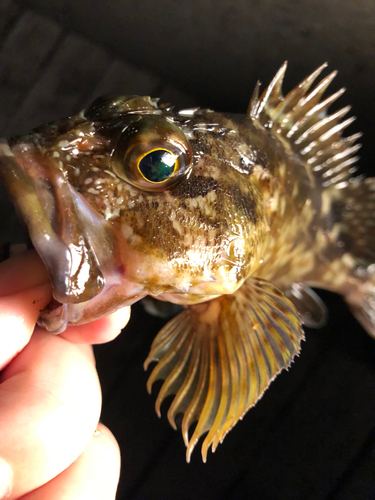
x=301 y=117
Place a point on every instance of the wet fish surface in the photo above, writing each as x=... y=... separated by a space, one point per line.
x=233 y=217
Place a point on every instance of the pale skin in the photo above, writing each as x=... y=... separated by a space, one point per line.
x=51 y=444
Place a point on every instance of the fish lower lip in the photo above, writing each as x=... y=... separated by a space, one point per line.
x=40 y=192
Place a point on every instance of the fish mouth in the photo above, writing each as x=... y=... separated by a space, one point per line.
x=73 y=240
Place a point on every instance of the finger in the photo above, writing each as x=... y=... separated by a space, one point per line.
x=21 y=273
x=93 y=476
x=100 y=331
x=22 y=300
x=49 y=408
x=24 y=292
x=18 y=315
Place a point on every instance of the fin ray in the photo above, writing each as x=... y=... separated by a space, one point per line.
x=295 y=95
x=310 y=306
x=301 y=118
x=187 y=388
x=224 y=355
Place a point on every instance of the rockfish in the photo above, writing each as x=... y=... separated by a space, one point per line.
x=234 y=217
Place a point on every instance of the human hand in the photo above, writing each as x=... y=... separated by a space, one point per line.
x=51 y=446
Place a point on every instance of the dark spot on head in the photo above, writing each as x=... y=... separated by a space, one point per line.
x=194 y=187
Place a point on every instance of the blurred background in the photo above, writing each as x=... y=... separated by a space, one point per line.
x=312 y=436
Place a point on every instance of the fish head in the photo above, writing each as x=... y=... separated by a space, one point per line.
x=130 y=198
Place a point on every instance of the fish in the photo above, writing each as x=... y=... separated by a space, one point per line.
x=234 y=218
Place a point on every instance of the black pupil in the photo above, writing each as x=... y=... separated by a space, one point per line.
x=158 y=165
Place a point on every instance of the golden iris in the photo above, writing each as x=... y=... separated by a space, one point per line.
x=157 y=165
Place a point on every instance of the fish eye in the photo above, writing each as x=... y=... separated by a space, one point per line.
x=157 y=165
x=152 y=153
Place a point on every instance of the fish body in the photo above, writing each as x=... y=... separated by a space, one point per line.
x=231 y=216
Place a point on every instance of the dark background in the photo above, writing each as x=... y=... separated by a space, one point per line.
x=312 y=435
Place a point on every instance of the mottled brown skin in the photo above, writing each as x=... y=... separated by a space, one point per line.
x=305 y=241
x=246 y=205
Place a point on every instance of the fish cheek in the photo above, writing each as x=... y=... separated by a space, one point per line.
x=200 y=234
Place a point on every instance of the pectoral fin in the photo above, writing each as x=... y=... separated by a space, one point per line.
x=218 y=358
x=310 y=306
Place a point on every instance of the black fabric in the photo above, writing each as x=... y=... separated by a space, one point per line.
x=217 y=49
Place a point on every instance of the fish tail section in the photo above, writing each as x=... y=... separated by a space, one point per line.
x=218 y=358
x=353 y=209
x=362 y=306
x=353 y=217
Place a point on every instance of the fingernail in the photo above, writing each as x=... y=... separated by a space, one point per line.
x=6 y=479
x=121 y=318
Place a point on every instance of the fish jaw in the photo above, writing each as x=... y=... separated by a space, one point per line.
x=75 y=242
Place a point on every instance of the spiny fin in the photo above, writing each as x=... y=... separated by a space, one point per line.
x=309 y=305
x=352 y=234
x=301 y=118
x=353 y=214
x=219 y=357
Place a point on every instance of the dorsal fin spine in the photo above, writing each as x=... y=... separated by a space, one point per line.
x=320 y=128
x=295 y=95
x=273 y=91
x=302 y=119
x=254 y=101
x=303 y=123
